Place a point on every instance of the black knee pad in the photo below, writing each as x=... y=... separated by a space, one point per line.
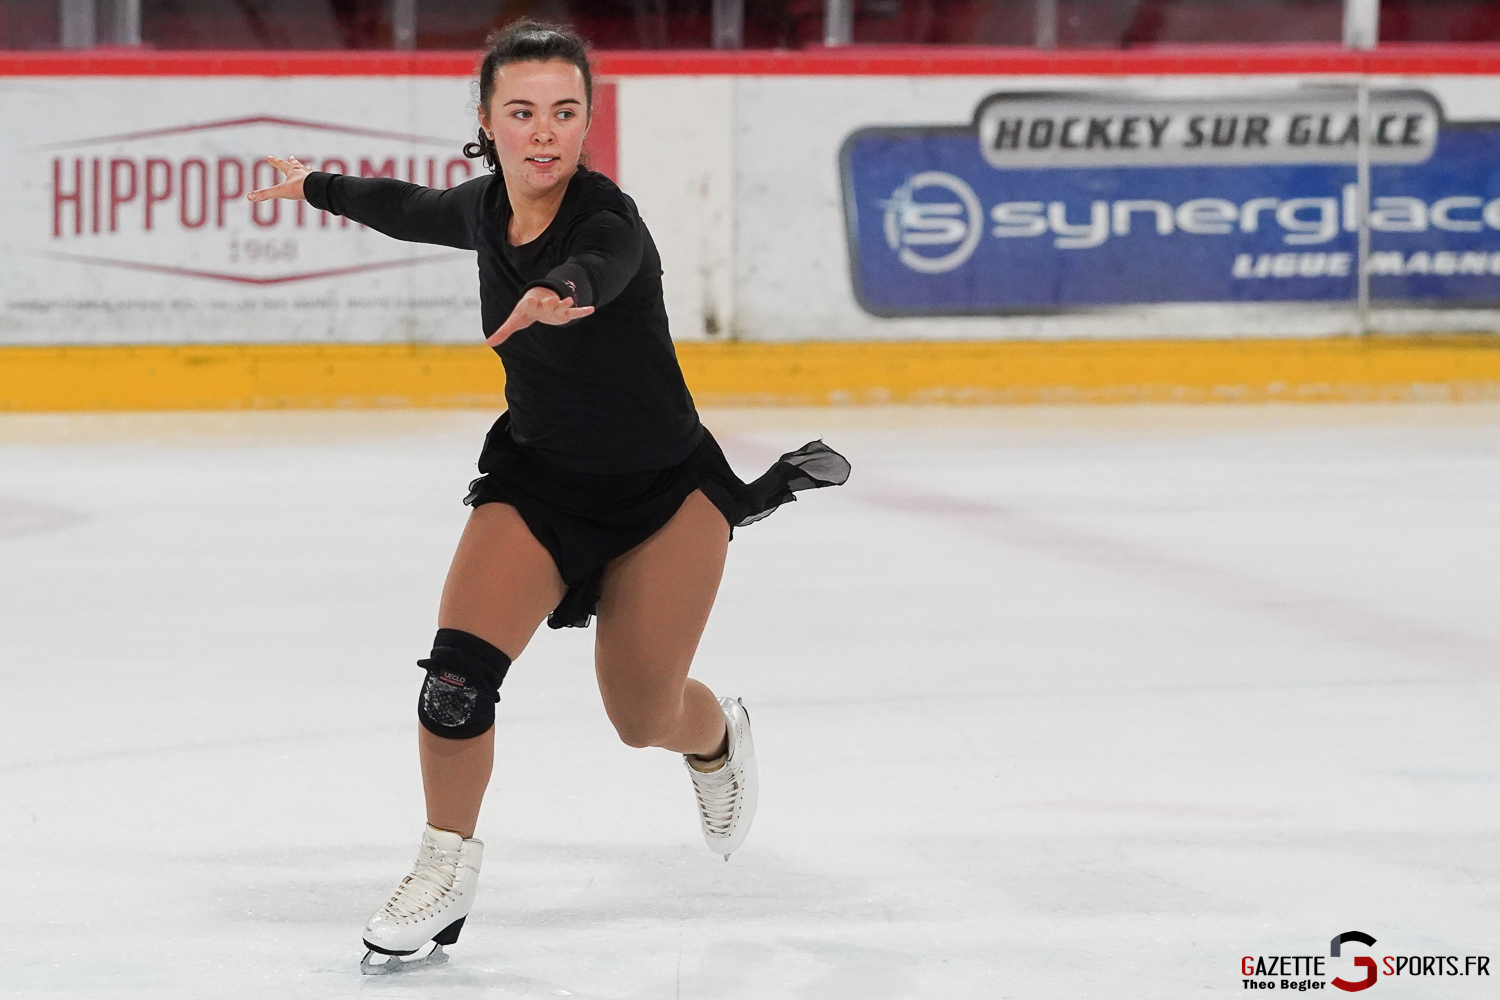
x=463 y=683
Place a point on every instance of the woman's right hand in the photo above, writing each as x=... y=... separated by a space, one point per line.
x=291 y=185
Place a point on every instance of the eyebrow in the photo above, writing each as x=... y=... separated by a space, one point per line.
x=565 y=100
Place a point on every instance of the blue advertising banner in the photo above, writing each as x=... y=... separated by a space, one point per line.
x=1060 y=201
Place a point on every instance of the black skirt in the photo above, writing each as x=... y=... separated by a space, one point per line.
x=586 y=520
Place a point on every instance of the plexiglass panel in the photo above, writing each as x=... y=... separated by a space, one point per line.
x=266 y=24
x=29 y=24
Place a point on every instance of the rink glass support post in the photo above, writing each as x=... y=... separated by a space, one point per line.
x=838 y=22
x=76 y=24
x=1362 y=184
x=1362 y=31
x=404 y=25
x=729 y=24
x=1044 y=32
x=125 y=22
x=1361 y=24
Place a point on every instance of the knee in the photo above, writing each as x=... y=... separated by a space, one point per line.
x=462 y=685
x=642 y=728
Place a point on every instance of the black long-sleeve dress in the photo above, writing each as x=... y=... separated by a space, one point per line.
x=600 y=443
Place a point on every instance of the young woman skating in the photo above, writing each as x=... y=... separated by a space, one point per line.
x=601 y=492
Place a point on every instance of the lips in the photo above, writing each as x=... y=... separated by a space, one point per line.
x=544 y=160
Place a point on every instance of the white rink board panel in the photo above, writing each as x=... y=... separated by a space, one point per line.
x=676 y=155
x=126 y=221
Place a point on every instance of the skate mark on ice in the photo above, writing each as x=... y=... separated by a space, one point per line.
x=520 y=718
x=19 y=518
x=111 y=756
x=1334 y=618
x=1106 y=692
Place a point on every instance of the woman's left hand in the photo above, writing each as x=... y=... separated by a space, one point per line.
x=539 y=305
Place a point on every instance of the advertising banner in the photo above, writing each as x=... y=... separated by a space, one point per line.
x=1059 y=201
x=126 y=219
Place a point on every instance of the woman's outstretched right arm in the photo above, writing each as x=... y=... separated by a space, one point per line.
x=405 y=211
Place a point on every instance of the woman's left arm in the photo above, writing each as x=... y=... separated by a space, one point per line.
x=604 y=254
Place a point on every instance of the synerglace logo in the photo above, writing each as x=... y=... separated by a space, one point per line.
x=911 y=223
x=1312 y=972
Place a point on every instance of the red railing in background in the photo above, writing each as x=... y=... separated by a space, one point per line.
x=846 y=61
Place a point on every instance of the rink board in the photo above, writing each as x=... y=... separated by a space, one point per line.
x=924 y=207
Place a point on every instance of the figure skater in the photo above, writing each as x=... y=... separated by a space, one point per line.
x=600 y=491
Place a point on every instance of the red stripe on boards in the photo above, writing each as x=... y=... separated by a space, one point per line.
x=602 y=145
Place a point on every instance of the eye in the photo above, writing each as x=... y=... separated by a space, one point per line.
x=567 y=115
x=520 y=113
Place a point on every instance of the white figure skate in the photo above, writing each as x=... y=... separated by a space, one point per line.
x=430 y=904
x=726 y=794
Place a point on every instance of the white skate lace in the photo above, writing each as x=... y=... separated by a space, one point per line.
x=718 y=791
x=429 y=882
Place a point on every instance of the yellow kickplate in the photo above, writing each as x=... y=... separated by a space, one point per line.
x=250 y=376
x=1406 y=368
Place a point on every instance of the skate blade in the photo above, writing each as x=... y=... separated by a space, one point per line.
x=395 y=963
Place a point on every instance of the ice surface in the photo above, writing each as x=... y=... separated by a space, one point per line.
x=1050 y=703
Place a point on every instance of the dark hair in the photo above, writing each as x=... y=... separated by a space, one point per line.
x=526 y=41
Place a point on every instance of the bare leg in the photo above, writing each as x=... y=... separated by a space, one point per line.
x=455 y=774
x=655 y=603
x=502 y=583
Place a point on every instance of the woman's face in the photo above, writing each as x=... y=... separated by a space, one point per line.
x=538 y=116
